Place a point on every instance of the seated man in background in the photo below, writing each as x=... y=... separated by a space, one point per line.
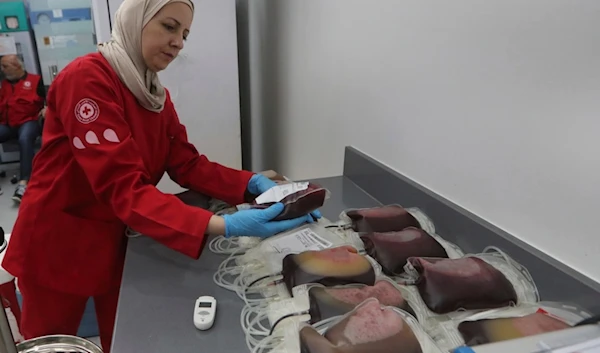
x=22 y=98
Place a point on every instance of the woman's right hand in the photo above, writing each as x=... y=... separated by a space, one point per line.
x=259 y=222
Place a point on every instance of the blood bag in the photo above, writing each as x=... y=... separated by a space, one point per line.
x=369 y=328
x=321 y=304
x=266 y=257
x=475 y=282
x=388 y=218
x=503 y=324
x=299 y=199
x=487 y=331
x=326 y=303
x=392 y=249
x=330 y=267
x=231 y=245
x=469 y=283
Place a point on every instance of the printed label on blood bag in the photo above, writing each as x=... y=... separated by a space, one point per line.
x=564 y=315
x=279 y=192
x=302 y=240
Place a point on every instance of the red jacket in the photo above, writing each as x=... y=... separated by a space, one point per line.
x=102 y=155
x=20 y=102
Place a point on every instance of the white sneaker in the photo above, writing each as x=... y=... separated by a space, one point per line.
x=19 y=192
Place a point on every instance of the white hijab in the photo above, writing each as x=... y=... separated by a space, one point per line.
x=124 y=51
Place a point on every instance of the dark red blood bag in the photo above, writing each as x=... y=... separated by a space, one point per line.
x=326 y=303
x=368 y=329
x=330 y=267
x=299 y=203
x=469 y=283
x=496 y=330
x=392 y=249
x=389 y=218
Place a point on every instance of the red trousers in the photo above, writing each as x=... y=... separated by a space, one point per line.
x=48 y=312
x=8 y=291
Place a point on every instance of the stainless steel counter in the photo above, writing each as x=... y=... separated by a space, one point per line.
x=160 y=287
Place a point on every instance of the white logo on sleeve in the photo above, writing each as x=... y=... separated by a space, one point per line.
x=111 y=136
x=92 y=139
x=78 y=143
x=87 y=111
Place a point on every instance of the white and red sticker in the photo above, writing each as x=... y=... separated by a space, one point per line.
x=87 y=111
x=27 y=84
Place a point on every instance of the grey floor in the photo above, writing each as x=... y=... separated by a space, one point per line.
x=8 y=208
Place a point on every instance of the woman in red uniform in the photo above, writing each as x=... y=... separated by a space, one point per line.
x=111 y=132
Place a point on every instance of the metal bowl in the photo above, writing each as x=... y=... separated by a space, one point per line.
x=58 y=343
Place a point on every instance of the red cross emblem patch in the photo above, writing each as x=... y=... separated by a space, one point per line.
x=87 y=111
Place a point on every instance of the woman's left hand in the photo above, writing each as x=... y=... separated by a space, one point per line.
x=259 y=183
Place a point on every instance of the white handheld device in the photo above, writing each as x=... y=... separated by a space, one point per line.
x=205 y=312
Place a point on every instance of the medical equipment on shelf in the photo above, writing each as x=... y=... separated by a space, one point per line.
x=370 y=327
x=247 y=262
x=15 y=37
x=205 y=310
x=63 y=31
x=503 y=324
x=318 y=305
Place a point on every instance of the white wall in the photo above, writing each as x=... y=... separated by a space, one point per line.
x=101 y=13
x=204 y=84
x=493 y=104
x=113 y=5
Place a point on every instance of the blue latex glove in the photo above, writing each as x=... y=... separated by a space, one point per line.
x=316 y=214
x=258 y=223
x=260 y=183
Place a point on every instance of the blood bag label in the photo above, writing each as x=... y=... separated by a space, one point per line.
x=569 y=317
x=302 y=240
x=279 y=192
